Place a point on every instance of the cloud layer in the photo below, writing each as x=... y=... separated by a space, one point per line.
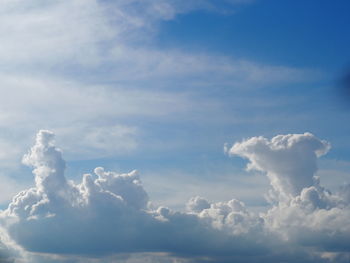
x=108 y=214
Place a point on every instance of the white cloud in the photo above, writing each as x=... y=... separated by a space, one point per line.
x=306 y=213
x=290 y=161
x=197 y=204
x=162 y=66
x=108 y=38
x=110 y=214
x=39 y=32
x=49 y=32
x=99 y=216
x=91 y=118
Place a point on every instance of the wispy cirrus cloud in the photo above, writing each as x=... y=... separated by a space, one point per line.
x=89 y=63
x=39 y=33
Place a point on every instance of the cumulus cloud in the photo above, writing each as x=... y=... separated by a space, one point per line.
x=109 y=214
x=104 y=214
x=305 y=212
x=197 y=204
x=290 y=161
x=54 y=201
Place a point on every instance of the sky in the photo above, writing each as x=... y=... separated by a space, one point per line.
x=174 y=131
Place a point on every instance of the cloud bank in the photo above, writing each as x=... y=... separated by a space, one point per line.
x=109 y=214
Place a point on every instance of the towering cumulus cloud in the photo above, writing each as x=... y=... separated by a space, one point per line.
x=59 y=216
x=109 y=214
x=106 y=213
x=290 y=161
x=304 y=213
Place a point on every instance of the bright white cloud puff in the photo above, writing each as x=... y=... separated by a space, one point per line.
x=109 y=213
x=290 y=161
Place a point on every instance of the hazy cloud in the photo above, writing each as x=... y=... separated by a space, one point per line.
x=83 y=68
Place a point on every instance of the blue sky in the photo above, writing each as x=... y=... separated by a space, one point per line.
x=293 y=33
x=161 y=86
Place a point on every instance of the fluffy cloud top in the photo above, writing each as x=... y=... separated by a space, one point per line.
x=305 y=212
x=290 y=161
x=109 y=213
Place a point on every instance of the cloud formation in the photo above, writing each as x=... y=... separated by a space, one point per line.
x=304 y=212
x=110 y=214
x=106 y=213
x=290 y=161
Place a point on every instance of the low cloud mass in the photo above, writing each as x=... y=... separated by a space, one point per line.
x=109 y=214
